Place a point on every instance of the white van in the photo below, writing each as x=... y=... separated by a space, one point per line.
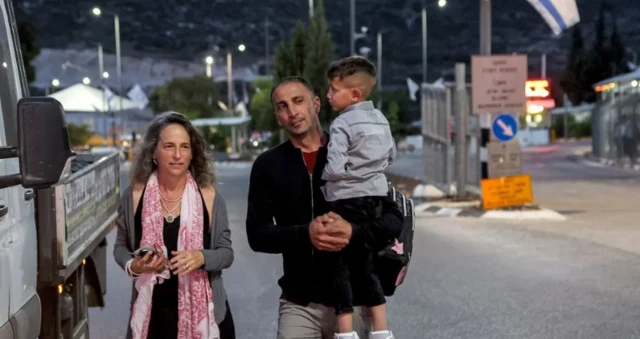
x=56 y=209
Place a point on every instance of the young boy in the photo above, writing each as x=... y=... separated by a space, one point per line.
x=361 y=147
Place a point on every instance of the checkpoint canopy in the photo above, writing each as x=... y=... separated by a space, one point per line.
x=239 y=127
x=84 y=98
x=100 y=110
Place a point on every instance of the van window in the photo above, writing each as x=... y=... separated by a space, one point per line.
x=10 y=88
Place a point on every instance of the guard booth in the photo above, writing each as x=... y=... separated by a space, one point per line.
x=239 y=130
x=615 y=119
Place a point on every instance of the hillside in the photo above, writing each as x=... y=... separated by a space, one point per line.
x=188 y=29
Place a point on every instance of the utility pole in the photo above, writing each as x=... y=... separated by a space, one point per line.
x=424 y=45
x=352 y=30
x=266 y=45
x=461 y=114
x=101 y=77
x=116 y=23
x=485 y=49
x=310 y=9
x=229 y=82
x=379 y=71
x=485 y=27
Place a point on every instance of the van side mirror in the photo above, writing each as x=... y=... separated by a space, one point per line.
x=44 y=148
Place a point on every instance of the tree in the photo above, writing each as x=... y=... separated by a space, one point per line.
x=573 y=81
x=618 y=52
x=195 y=97
x=29 y=47
x=319 y=57
x=290 y=55
x=283 y=60
x=598 y=66
x=309 y=54
x=395 y=107
x=299 y=49
x=260 y=106
x=78 y=134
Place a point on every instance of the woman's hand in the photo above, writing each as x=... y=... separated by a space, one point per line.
x=186 y=261
x=150 y=263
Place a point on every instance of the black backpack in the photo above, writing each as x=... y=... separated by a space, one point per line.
x=392 y=263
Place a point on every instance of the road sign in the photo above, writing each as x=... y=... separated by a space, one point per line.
x=504 y=127
x=503 y=159
x=506 y=192
x=499 y=83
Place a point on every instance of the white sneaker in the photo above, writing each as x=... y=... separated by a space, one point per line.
x=352 y=335
x=382 y=335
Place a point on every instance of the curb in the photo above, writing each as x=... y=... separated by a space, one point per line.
x=563 y=140
x=426 y=191
x=234 y=164
x=441 y=211
x=610 y=163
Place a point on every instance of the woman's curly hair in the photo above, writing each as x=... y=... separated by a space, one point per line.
x=201 y=166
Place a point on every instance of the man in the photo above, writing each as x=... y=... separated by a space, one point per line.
x=287 y=214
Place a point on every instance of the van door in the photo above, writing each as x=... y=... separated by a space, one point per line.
x=16 y=207
x=6 y=243
x=5 y=266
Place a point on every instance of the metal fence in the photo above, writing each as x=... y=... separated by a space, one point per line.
x=438 y=135
x=616 y=128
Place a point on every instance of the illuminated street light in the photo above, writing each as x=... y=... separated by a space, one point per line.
x=442 y=3
x=86 y=81
x=55 y=82
x=242 y=47
x=105 y=75
x=96 y=11
x=209 y=61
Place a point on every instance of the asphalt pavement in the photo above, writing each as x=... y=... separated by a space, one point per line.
x=469 y=278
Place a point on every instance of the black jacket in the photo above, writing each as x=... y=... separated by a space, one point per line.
x=283 y=200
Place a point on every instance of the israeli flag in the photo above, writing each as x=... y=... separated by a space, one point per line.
x=559 y=14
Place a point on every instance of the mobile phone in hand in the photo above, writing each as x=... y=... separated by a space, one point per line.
x=141 y=252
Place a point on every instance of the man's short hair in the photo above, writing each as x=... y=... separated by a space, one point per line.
x=291 y=79
x=349 y=66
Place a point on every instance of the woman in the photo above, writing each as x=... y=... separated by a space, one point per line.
x=173 y=207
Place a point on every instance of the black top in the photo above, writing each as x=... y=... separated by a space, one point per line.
x=164 y=309
x=281 y=187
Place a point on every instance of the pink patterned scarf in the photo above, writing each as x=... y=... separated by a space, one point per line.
x=195 y=301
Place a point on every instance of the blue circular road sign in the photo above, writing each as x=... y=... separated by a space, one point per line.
x=505 y=127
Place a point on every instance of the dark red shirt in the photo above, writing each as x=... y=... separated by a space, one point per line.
x=310 y=160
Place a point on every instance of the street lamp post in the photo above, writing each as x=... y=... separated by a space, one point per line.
x=101 y=75
x=353 y=34
x=424 y=45
x=241 y=48
x=230 y=81
x=379 y=71
x=116 y=25
x=485 y=49
x=55 y=83
x=441 y=3
x=209 y=61
x=266 y=45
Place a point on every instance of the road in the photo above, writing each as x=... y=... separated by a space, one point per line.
x=469 y=278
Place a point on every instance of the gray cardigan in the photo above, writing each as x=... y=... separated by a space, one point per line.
x=216 y=259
